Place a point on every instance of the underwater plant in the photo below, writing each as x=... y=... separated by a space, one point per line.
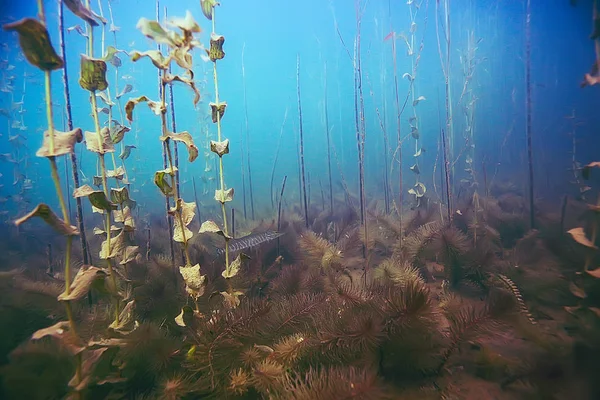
x=179 y=47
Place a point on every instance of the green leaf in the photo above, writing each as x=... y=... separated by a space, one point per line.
x=186 y=139
x=120 y=195
x=117 y=133
x=92 y=74
x=44 y=212
x=96 y=197
x=35 y=44
x=207 y=7
x=160 y=180
x=153 y=30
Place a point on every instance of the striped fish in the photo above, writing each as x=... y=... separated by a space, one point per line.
x=249 y=241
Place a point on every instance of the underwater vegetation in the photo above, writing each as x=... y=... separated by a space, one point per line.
x=472 y=289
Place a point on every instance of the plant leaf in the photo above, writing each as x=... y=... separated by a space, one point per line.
x=190 y=82
x=35 y=43
x=125 y=90
x=579 y=236
x=130 y=254
x=120 y=195
x=91 y=142
x=194 y=282
x=81 y=11
x=92 y=74
x=60 y=332
x=577 y=291
x=117 y=133
x=234 y=268
x=126 y=152
x=587 y=169
x=220 y=148
x=117 y=245
x=85 y=278
x=183 y=214
x=223 y=196
x=418 y=100
x=45 y=213
x=186 y=139
x=105 y=99
x=96 y=197
x=156 y=107
x=231 y=300
x=186 y=24
x=212 y=227
x=595 y=273
x=160 y=180
x=207 y=8
x=64 y=143
x=126 y=322
x=154 y=31
x=155 y=56
x=220 y=109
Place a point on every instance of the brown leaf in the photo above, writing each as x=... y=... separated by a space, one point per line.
x=117 y=244
x=220 y=148
x=64 y=143
x=101 y=146
x=61 y=332
x=85 y=278
x=190 y=82
x=220 y=109
x=156 y=107
x=44 y=212
x=155 y=56
x=186 y=139
x=579 y=236
x=587 y=169
x=595 y=273
x=88 y=364
x=81 y=11
x=35 y=43
x=577 y=291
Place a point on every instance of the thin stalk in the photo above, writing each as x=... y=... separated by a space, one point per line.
x=399 y=136
x=247 y=135
x=74 y=168
x=61 y=199
x=528 y=110
x=447 y=176
x=302 y=168
x=277 y=155
x=279 y=212
x=328 y=142
x=221 y=169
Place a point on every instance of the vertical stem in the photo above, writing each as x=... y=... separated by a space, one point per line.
x=74 y=168
x=447 y=175
x=302 y=168
x=528 y=109
x=328 y=143
x=279 y=212
x=247 y=136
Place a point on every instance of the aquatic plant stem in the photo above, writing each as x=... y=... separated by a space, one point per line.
x=74 y=168
x=328 y=140
x=302 y=167
x=247 y=135
x=59 y=193
x=221 y=169
x=528 y=110
x=279 y=213
x=108 y=213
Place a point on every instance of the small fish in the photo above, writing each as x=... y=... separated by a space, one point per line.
x=249 y=241
x=389 y=36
